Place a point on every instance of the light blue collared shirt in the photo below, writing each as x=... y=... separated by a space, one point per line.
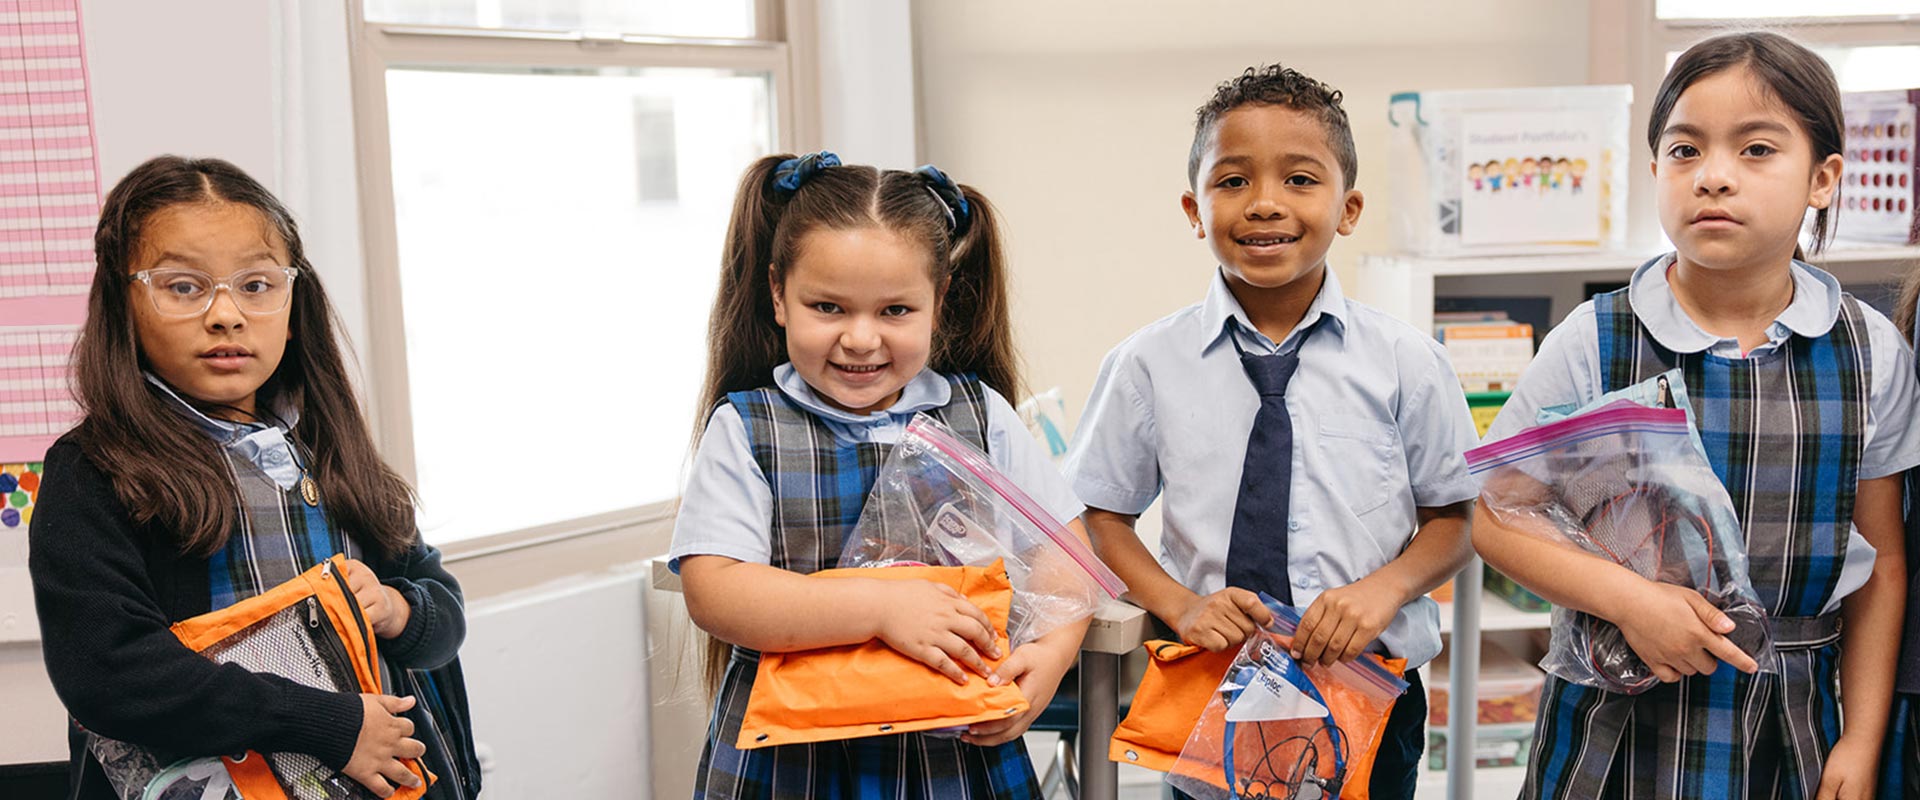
x=727 y=507
x=1379 y=425
x=1567 y=370
x=262 y=443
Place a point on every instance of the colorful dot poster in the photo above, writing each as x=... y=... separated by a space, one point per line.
x=19 y=487
x=49 y=202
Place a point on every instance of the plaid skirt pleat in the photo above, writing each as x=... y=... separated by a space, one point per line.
x=819 y=487
x=1784 y=432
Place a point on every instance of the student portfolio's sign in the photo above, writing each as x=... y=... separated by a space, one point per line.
x=1531 y=177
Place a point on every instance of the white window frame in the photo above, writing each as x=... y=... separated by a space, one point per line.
x=784 y=46
x=1629 y=44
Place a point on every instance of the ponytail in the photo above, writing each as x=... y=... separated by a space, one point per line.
x=743 y=342
x=976 y=322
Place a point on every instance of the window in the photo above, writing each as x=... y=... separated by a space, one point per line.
x=545 y=209
x=729 y=19
x=1868 y=42
x=1719 y=10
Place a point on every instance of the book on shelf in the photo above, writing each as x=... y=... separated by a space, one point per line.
x=1487 y=355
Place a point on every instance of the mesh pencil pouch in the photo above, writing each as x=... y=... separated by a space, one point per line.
x=308 y=630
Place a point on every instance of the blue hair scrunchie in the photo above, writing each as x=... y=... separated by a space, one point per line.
x=791 y=173
x=952 y=200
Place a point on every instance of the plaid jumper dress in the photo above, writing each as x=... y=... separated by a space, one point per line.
x=819 y=487
x=1784 y=432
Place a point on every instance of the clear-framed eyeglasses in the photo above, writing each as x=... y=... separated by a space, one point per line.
x=189 y=292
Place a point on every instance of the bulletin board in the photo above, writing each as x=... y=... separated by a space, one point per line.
x=49 y=203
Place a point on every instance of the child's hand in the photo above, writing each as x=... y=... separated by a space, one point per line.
x=384 y=741
x=934 y=624
x=1850 y=771
x=1223 y=619
x=1037 y=670
x=386 y=610
x=1340 y=623
x=1678 y=633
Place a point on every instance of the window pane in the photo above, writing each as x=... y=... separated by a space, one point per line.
x=1864 y=69
x=728 y=19
x=560 y=236
x=1739 y=9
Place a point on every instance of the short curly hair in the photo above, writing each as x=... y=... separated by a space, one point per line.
x=1275 y=85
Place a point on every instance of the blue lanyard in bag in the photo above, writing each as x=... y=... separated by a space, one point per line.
x=1302 y=781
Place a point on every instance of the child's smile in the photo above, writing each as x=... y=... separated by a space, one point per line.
x=1262 y=244
x=1270 y=196
x=859 y=308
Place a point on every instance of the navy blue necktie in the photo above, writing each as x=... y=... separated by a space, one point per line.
x=1257 y=553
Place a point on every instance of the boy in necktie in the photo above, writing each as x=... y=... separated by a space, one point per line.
x=1304 y=445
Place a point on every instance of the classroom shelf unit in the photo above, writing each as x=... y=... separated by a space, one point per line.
x=1407 y=286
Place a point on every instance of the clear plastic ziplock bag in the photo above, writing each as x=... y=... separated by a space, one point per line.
x=938 y=501
x=1277 y=728
x=1626 y=483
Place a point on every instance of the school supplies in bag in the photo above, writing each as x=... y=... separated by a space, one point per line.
x=1629 y=484
x=1276 y=728
x=309 y=630
x=1180 y=679
x=870 y=689
x=939 y=501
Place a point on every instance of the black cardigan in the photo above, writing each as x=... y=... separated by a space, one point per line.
x=107 y=590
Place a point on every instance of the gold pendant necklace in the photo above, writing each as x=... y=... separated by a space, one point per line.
x=309 y=491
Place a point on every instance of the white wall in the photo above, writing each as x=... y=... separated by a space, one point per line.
x=558 y=688
x=866 y=81
x=1075 y=116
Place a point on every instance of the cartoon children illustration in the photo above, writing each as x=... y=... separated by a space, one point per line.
x=1529 y=169
x=1561 y=166
x=1576 y=172
x=1494 y=176
x=1477 y=174
x=1511 y=168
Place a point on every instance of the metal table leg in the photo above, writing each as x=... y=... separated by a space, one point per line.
x=1099 y=715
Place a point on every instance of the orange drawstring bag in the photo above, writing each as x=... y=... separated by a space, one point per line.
x=871 y=689
x=1180 y=679
x=309 y=630
x=1277 y=727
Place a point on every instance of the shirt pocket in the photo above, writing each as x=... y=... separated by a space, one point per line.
x=1361 y=456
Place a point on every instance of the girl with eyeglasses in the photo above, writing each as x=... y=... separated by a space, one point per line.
x=223 y=452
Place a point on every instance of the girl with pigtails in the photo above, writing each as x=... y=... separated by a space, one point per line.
x=850 y=299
